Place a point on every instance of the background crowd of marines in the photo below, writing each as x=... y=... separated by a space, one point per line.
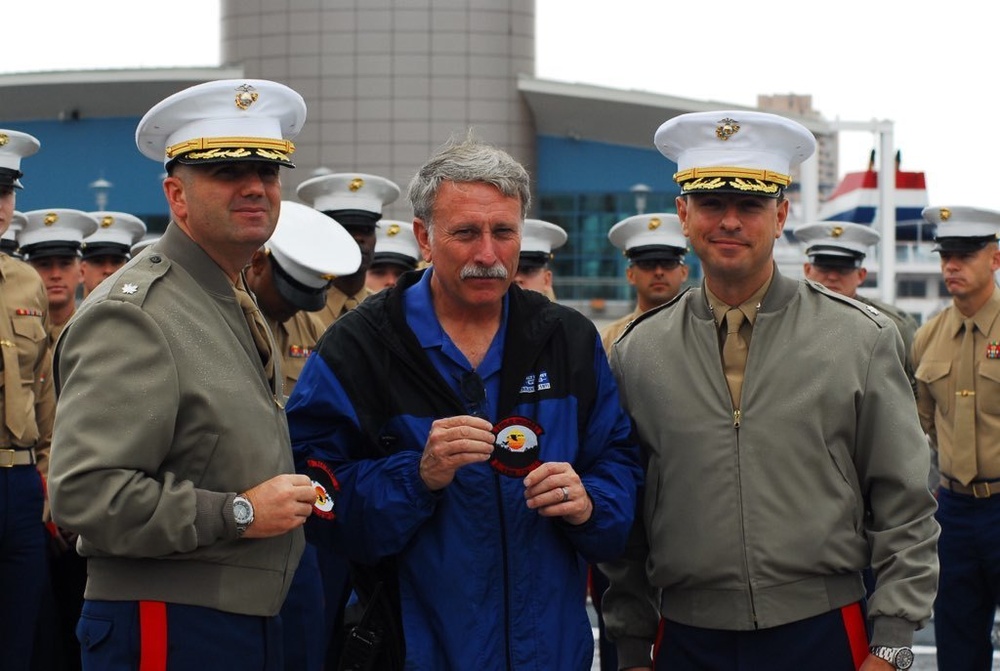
x=72 y=252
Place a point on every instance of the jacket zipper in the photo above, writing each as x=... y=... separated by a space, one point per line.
x=737 y=416
x=506 y=573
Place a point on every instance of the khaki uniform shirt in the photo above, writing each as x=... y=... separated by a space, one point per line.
x=26 y=307
x=295 y=340
x=54 y=331
x=337 y=305
x=935 y=359
x=611 y=332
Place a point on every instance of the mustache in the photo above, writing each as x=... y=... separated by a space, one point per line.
x=476 y=272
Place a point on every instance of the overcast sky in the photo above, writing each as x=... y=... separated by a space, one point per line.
x=927 y=67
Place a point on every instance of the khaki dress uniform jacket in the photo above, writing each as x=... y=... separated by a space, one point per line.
x=768 y=516
x=26 y=308
x=935 y=357
x=165 y=413
x=295 y=339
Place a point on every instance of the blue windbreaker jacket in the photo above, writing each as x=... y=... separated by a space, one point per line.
x=482 y=581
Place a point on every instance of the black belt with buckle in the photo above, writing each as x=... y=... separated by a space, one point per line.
x=981 y=489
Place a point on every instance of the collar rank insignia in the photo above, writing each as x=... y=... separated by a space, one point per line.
x=516 y=449
x=129 y=288
x=993 y=350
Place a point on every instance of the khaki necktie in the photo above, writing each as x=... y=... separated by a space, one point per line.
x=258 y=329
x=964 y=457
x=734 y=354
x=15 y=399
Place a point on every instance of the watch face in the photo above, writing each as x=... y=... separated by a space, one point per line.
x=904 y=658
x=242 y=512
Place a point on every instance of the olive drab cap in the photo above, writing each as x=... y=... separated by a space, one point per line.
x=963 y=229
x=734 y=151
x=309 y=250
x=538 y=239
x=115 y=235
x=55 y=232
x=14 y=145
x=222 y=121
x=654 y=236
x=836 y=243
x=349 y=192
x=396 y=245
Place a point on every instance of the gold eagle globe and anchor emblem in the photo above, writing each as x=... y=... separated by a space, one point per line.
x=246 y=96
x=727 y=128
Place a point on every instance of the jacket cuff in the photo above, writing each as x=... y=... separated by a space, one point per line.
x=213 y=518
x=894 y=632
x=634 y=652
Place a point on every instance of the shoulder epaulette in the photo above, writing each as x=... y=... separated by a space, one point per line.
x=869 y=311
x=134 y=282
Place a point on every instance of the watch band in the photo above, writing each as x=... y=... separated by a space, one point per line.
x=900 y=658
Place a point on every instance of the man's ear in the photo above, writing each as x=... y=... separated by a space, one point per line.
x=422 y=234
x=257 y=262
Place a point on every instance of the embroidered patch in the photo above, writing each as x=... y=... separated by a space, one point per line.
x=517 y=448
x=543 y=381
x=533 y=383
x=528 y=386
x=326 y=487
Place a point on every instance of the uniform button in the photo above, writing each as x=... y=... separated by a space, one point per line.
x=155 y=258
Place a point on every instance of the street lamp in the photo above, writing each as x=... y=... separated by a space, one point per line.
x=640 y=192
x=101 y=187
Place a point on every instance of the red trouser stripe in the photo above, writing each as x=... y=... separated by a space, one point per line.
x=152 y=636
x=659 y=638
x=857 y=634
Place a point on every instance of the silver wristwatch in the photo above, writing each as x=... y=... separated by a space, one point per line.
x=242 y=513
x=901 y=658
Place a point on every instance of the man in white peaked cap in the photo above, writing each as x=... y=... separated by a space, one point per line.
x=109 y=247
x=538 y=239
x=291 y=274
x=50 y=241
x=179 y=476
x=8 y=241
x=957 y=359
x=836 y=252
x=655 y=247
x=355 y=200
x=27 y=403
x=778 y=416
x=396 y=252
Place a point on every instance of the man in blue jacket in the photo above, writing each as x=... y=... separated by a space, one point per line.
x=467 y=443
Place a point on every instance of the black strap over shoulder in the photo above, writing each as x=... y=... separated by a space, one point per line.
x=376 y=642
